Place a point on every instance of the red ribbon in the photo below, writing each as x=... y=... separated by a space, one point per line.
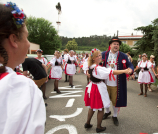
x=111 y=74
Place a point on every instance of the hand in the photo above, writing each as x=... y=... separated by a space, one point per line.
x=47 y=79
x=88 y=74
x=130 y=70
x=127 y=71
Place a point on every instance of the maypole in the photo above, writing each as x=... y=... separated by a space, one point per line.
x=58 y=7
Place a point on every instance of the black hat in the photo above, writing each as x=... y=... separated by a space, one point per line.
x=115 y=39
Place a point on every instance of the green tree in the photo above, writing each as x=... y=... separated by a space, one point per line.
x=155 y=39
x=145 y=44
x=43 y=33
x=125 y=48
x=72 y=45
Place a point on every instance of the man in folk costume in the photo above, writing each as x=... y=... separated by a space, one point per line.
x=116 y=85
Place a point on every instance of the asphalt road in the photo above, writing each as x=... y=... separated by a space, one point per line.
x=67 y=114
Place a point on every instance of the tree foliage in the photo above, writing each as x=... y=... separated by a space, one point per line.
x=125 y=48
x=155 y=39
x=72 y=45
x=149 y=42
x=43 y=33
x=88 y=43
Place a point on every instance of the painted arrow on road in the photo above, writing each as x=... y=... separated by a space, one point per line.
x=63 y=117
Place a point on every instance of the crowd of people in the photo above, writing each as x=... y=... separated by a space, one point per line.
x=106 y=74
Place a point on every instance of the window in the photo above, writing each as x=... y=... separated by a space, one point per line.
x=33 y=51
x=124 y=42
x=134 y=42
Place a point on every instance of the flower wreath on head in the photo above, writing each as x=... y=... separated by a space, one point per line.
x=95 y=49
x=18 y=15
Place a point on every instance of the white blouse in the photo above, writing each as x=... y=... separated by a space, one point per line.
x=22 y=109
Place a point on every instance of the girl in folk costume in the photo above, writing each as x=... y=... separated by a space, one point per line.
x=96 y=95
x=145 y=76
x=22 y=109
x=40 y=58
x=70 y=68
x=150 y=70
x=56 y=70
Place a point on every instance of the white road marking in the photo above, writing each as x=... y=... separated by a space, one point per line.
x=72 y=129
x=69 y=87
x=70 y=103
x=64 y=95
x=63 y=117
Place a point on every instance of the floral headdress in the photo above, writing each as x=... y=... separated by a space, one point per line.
x=18 y=15
x=144 y=54
x=39 y=50
x=95 y=49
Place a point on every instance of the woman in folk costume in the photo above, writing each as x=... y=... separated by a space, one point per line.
x=40 y=58
x=145 y=76
x=96 y=94
x=150 y=70
x=85 y=67
x=70 y=68
x=56 y=70
x=22 y=109
x=66 y=55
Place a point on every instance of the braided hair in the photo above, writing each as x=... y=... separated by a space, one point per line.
x=7 y=27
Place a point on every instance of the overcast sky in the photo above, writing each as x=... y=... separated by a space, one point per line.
x=93 y=17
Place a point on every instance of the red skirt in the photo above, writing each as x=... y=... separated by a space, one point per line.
x=95 y=100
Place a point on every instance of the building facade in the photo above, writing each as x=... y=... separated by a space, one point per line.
x=33 y=48
x=130 y=40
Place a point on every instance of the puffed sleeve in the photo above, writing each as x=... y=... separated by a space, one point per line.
x=149 y=65
x=101 y=72
x=85 y=65
x=26 y=113
x=65 y=58
x=52 y=62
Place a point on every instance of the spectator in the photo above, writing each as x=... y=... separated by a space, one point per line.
x=22 y=109
x=38 y=71
x=129 y=57
x=139 y=59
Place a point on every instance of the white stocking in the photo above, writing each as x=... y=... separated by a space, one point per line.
x=115 y=111
x=107 y=110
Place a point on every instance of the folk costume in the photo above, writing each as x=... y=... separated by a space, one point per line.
x=151 y=72
x=70 y=68
x=96 y=94
x=56 y=70
x=65 y=62
x=119 y=62
x=85 y=66
x=43 y=60
x=117 y=85
x=145 y=76
x=22 y=106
